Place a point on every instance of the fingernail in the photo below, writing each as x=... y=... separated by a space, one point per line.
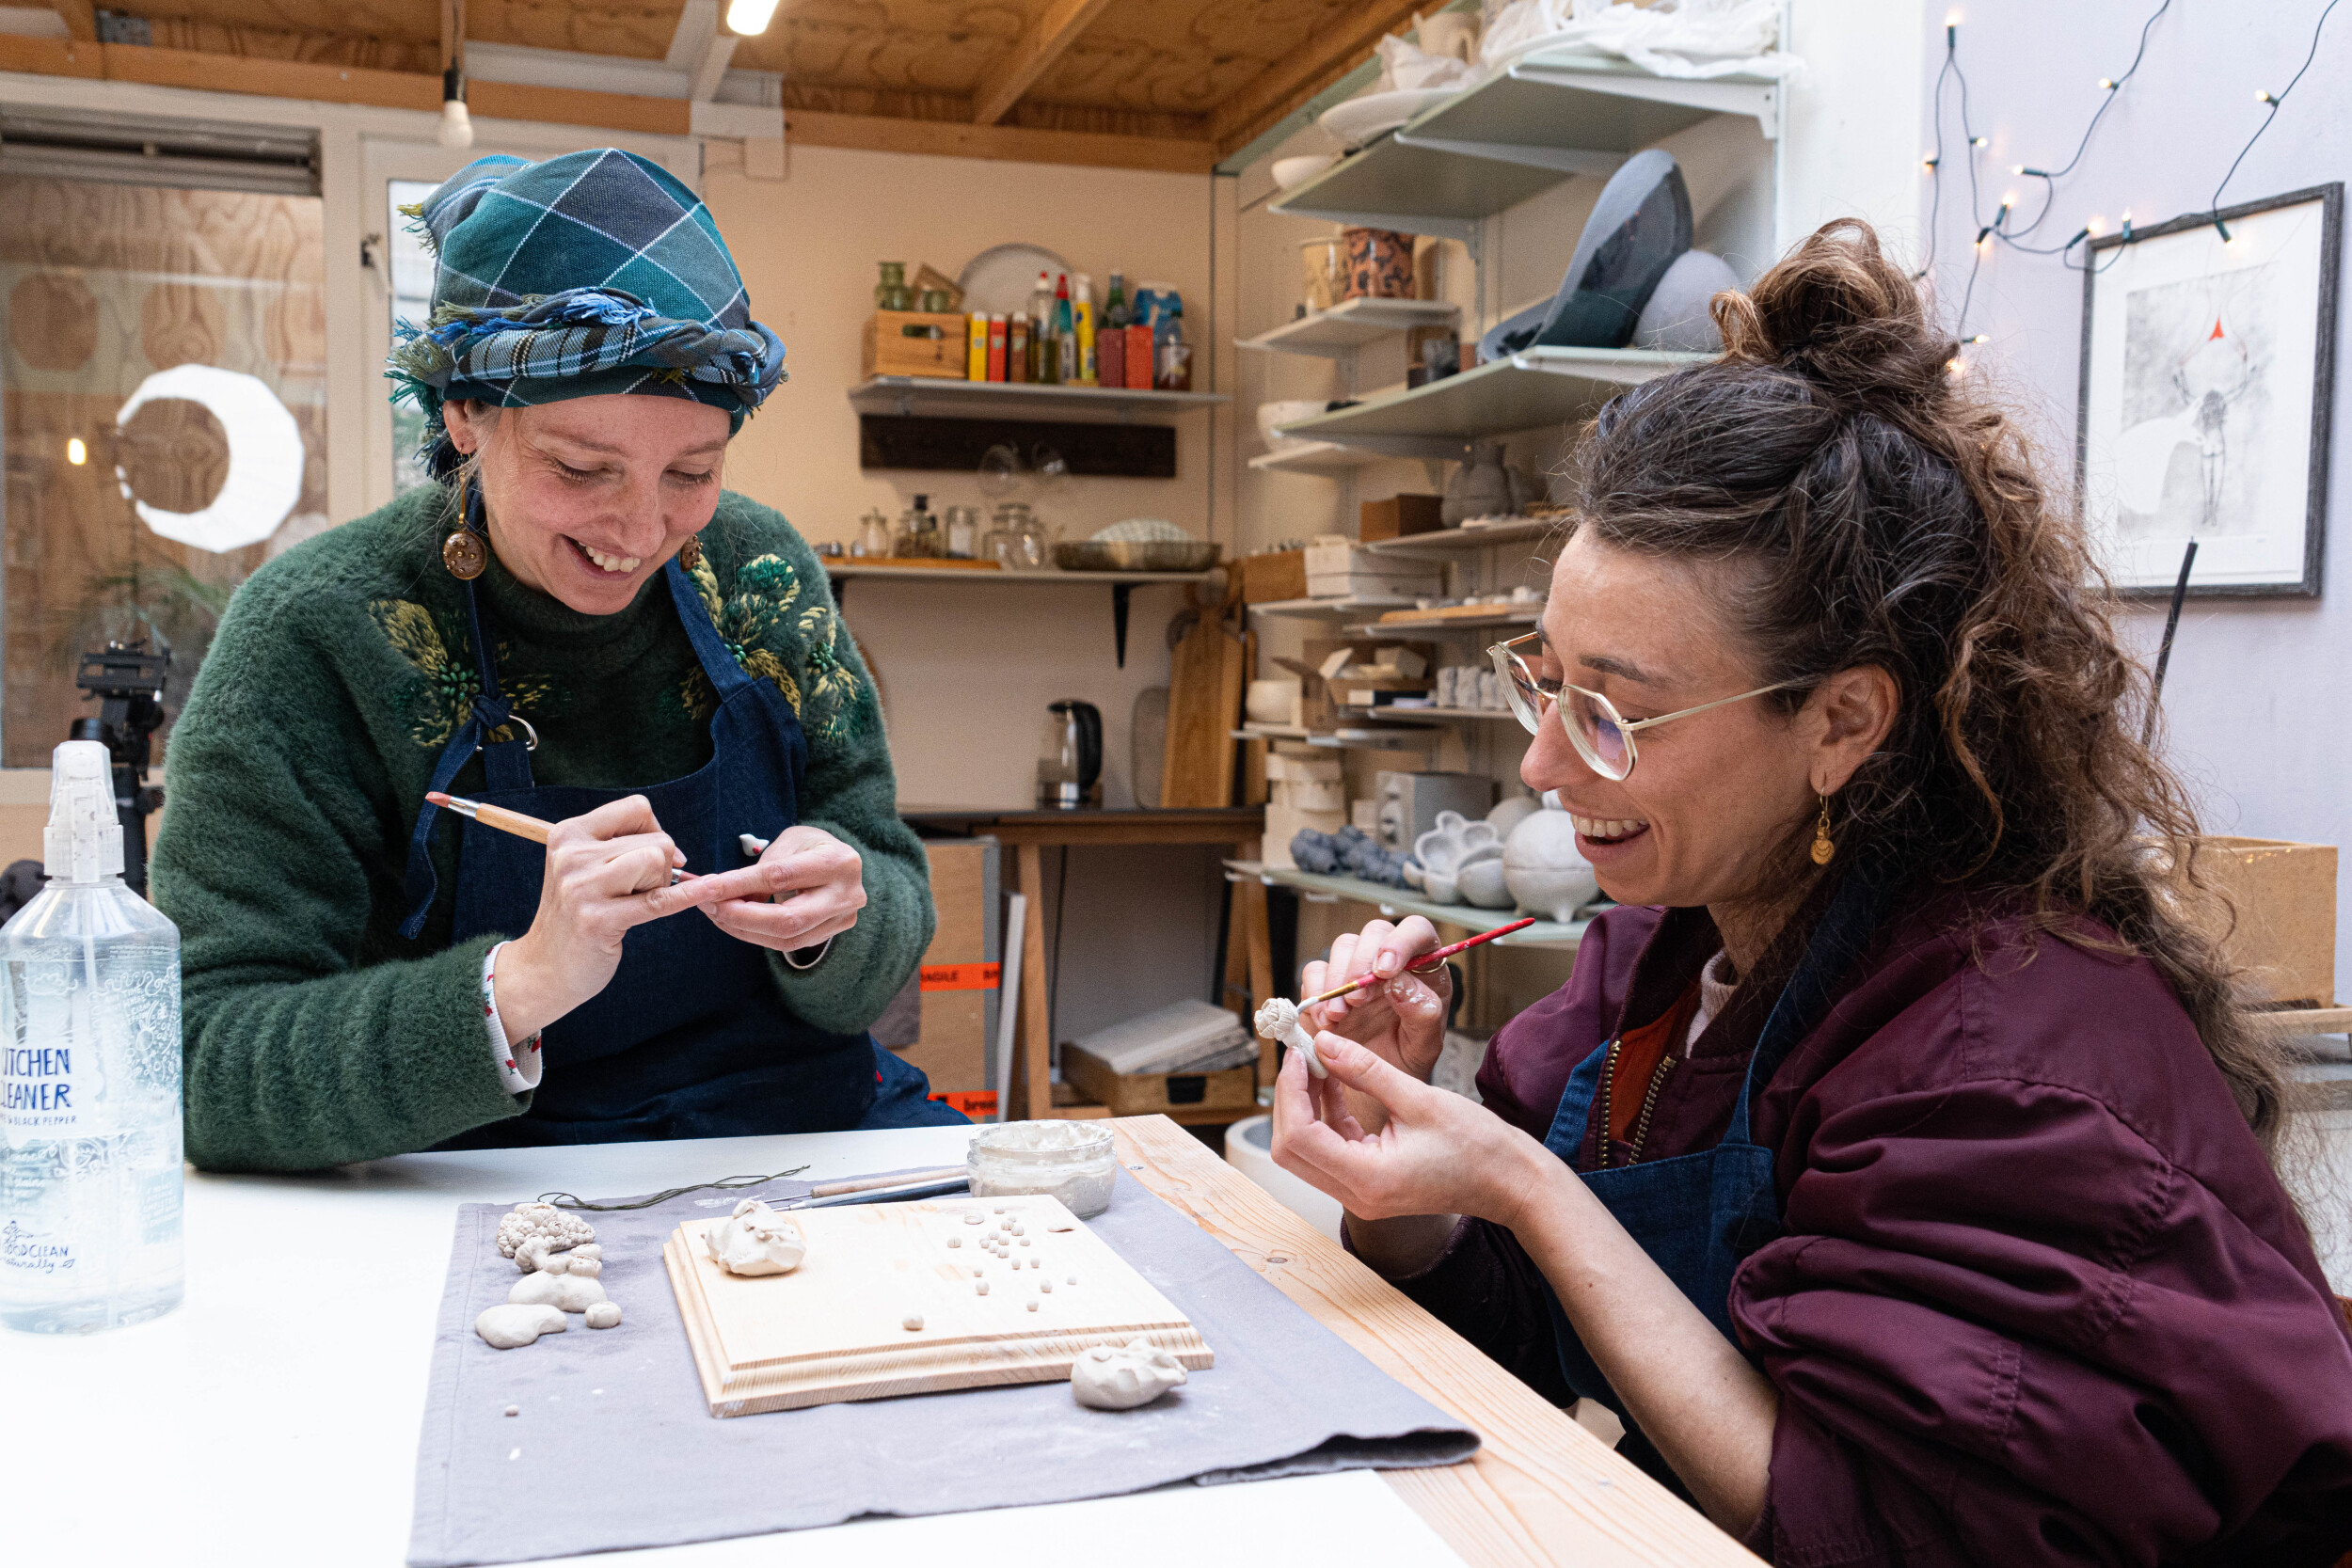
x=1385 y=964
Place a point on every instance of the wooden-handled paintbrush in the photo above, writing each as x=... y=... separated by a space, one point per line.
x=515 y=822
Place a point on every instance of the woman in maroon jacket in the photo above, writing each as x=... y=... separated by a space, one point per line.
x=1896 y=1161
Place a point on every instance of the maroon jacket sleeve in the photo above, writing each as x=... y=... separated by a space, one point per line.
x=1530 y=1058
x=2040 y=1299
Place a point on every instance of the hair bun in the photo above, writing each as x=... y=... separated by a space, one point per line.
x=1838 y=312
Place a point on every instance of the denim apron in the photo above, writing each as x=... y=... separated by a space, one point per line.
x=1699 y=1215
x=690 y=1038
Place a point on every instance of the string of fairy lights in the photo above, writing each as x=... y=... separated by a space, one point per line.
x=2005 y=228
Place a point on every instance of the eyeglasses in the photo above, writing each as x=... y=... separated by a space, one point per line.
x=1602 y=736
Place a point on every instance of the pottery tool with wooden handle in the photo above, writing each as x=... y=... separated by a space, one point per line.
x=1277 y=1020
x=882 y=1189
x=515 y=822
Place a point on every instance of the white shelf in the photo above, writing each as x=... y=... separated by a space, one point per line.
x=1352 y=737
x=1555 y=113
x=1345 y=328
x=1453 y=541
x=852 y=568
x=1457 y=622
x=1319 y=610
x=1314 y=457
x=1393 y=901
x=1534 y=388
x=1450 y=713
x=915 y=394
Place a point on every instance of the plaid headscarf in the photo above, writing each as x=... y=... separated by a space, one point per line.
x=593 y=273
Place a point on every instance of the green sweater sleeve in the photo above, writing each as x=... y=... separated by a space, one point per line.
x=851 y=792
x=303 y=1050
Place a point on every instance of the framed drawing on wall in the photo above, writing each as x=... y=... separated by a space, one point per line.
x=2208 y=370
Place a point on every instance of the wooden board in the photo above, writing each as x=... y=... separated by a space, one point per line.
x=1204 y=686
x=832 y=1330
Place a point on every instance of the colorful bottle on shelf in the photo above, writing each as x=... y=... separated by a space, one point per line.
x=1044 y=359
x=1017 y=355
x=1110 y=337
x=976 y=347
x=997 y=348
x=1065 y=335
x=1082 y=309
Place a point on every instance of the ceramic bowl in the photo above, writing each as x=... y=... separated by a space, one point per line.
x=1290 y=173
x=1440 y=887
x=1484 y=883
x=1448 y=845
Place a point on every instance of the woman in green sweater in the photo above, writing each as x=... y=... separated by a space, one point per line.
x=578 y=624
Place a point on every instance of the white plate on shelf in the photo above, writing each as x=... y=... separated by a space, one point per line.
x=1357 y=120
x=1001 y=279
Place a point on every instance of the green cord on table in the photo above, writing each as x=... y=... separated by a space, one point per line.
x=724 y=1183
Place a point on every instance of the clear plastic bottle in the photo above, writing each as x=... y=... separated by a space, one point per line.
x=90 y=1175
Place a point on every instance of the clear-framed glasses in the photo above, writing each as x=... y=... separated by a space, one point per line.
x=1602 y=736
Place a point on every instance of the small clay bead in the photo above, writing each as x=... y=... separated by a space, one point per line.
x=981 y=1289
x=1033 y=1304
x=914 y=1323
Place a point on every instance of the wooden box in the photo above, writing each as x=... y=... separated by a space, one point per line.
x=912 y=343
x=947 y=1025
x=1144 y=1094
x=1274 y=575
x=2285 y=936
x=1397 y=516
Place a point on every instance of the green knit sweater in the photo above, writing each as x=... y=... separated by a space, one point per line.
x=315 y=1034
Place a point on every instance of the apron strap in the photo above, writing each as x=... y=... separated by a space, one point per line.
x=727 y=675
x=1853 y=916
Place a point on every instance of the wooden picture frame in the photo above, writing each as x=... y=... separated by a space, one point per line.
x=2206 y=393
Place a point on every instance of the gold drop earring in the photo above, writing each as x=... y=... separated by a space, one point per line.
x=690 y=554
x=1823 y=846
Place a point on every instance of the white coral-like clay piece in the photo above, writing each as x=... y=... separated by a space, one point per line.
x=569 y=1293
x=526 y=1222
x=511 y=1326
x=605 y=1314
x=755 y=1240
x=1108 y=1378
x=1277 y=1020
x=583 y=1268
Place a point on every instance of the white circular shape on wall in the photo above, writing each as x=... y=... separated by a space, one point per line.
x=265 y=458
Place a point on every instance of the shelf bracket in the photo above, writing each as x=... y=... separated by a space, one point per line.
x=1121 y=593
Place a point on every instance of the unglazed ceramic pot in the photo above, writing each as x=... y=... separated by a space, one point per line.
x=1546 y=872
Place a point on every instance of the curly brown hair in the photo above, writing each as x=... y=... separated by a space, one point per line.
x=1884 y=511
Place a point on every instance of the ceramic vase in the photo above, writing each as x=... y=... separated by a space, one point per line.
x=1546 y=872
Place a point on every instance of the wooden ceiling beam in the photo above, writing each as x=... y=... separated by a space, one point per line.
x=1041 y=43
x=949 y=138
x=81 y=18
x=1285 y=84
x=701 y=48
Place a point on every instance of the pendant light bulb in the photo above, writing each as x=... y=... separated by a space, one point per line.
x=749 y=18
x=456 y=125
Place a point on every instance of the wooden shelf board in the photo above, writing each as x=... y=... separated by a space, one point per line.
x=894 y=394
x=1323 y=609
x=1457 y=622
x=1453 y=541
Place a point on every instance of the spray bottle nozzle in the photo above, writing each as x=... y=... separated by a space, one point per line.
x=84 y=840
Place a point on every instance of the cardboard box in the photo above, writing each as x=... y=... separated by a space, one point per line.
x=1273 y=575
x=1286 y=770
x=945 y=1021
x=914 y=343
x=2285 y=935
x=1397 y=516
x=1144 y=1094
x=1315 y=795
x=1396 y=582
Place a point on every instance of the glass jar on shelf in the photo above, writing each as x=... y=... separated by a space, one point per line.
x=962 y=537
x=1018 y=540
x=873 y=534
x=891 y=292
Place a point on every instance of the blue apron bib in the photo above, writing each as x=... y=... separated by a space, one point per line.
x=690 y=1038
x=1699 y=1215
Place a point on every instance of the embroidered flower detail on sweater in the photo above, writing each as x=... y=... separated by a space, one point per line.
x=764 y=622
x=438 y=705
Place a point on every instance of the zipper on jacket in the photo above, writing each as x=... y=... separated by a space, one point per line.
x=1608 y=1083
x=1649 y=1103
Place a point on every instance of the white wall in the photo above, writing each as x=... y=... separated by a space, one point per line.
x=2255 y=697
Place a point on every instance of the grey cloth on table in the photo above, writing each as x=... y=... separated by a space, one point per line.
x=615 y=1448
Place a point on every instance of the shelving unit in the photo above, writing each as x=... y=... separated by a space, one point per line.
x=1327 y=609
x=1533 y=387
x=1456 y=623
x=1453 y=541
x=1121 y=584
x=1393 y=901
x=1339 y=332
x=1503 y=713
x=917 y=394
x=1362 y=736
x=1555 y=113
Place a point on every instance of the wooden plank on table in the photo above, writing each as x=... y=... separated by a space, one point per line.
x=1540 y=1490
x=837 y=1327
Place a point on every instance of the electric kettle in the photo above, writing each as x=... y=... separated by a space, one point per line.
x=1069 y=764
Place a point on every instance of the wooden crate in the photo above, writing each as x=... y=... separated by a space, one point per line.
x=2285 y=893
x=889 y=350
x=1273 y=575
x=1398 y=516
x=1143 y=1094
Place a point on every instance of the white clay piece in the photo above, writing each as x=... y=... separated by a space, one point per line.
x=979 y=1288
x=1108 y=1378
x=566 y=1292
x=1032 y=1303
x=605 y=1314
x=975 y=1217
x=914 y=1323
x=540 y=1222
x=1277 y=1020
x=755 y=1240
x=512 y=1327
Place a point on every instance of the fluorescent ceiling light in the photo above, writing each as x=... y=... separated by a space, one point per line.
x=748 y=18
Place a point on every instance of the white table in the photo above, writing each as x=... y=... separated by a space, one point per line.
x=273 y=1418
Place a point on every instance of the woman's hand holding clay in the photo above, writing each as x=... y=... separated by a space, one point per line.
x=606 y=871
x=1402 y=1020
x=807 y=887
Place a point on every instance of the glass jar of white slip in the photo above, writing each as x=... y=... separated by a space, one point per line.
x=1070 y=1160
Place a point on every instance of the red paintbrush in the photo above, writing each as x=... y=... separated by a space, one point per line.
x=1429 y=961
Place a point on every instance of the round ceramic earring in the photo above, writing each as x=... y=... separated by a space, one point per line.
x=463 y=552
x=690 y=554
